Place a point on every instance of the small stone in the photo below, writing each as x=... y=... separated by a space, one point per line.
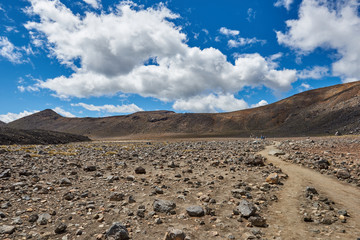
x=7 y=229
x=117 y=196
x=343 y=212
x=343 y=173
x=43 y=218
x=258 y=221
x=238 y=193
x=163 y=206
x=33 y=218
x=65 y=182
x=69 y=196
x=90 y=168
x=140 y=170
x=158 y=221
x=60 y=228
x=175 y=234
x=5 y=174
x=195 y=211
x=246 y=209
x=117 y=232
x=132 y=199
x=273 y=178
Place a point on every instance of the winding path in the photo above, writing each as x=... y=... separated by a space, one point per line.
x=285 y=219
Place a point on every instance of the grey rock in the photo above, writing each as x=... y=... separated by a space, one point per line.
x=7 y=229
x=60 y=228
x=163 y=206
x=65 y=182
x=33 y=218
x=90 y=168
x=246 y=209
x=17 y=221
x=257 y=221
x=5 y=174
x=175 y=234
x=195 y=211
x=238 y=193
x=5 y=205
x=69 y=196
x=43 y=218
x=343 y=173
x=140 y=170
x=117 y=232
x=117 y=196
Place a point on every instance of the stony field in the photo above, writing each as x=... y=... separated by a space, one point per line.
x=339 y=156
x=156 y=190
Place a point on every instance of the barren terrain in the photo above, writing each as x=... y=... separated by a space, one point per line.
x=217 y=189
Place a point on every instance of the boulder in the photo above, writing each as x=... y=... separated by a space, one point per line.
x=195 y=211
x=175 y=234
x=246 y=209
x=163 y=206
x=117 y=232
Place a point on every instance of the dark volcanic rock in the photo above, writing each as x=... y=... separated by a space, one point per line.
x=140 y=170
x=163 y=206
x=117 y=232
x=195 y=211
x=60 y=228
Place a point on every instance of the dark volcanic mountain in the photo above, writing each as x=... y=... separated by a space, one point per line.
x=2 y=123
x=10 y=136
x=316 y=112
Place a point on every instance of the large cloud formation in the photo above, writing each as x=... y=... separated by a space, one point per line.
x=329 y=25
x=138 y=50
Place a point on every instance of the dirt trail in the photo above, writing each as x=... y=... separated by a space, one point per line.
x=286 y=221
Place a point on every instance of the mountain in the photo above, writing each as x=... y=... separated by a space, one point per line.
x=2 y=123
x=316 y=112
x=10 y=136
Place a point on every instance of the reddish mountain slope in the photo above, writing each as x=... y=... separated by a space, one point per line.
x=316 y=112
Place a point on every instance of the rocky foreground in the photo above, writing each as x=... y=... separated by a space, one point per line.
x=150 y=190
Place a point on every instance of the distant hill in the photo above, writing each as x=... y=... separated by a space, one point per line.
x=317 y=112
x=10 y=136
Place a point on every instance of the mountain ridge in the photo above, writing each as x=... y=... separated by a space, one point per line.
x=316 y=112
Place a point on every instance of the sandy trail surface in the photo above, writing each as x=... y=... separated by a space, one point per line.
x=285 y=219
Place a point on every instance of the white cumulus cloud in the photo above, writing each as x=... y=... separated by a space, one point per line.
x=64 y=113
x=9 y=117
x=284 y=3
x=316 y=72
x=9 y=51
x=113 y=60
x=130 y=108
x=260 y=104
x=328 y=25
x=228 y=32
x=94 y=3
x=240 y=42
x=211 y=104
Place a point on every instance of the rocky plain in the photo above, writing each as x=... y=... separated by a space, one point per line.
x=178 y=189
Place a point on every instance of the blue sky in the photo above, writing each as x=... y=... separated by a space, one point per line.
x=103 y=57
